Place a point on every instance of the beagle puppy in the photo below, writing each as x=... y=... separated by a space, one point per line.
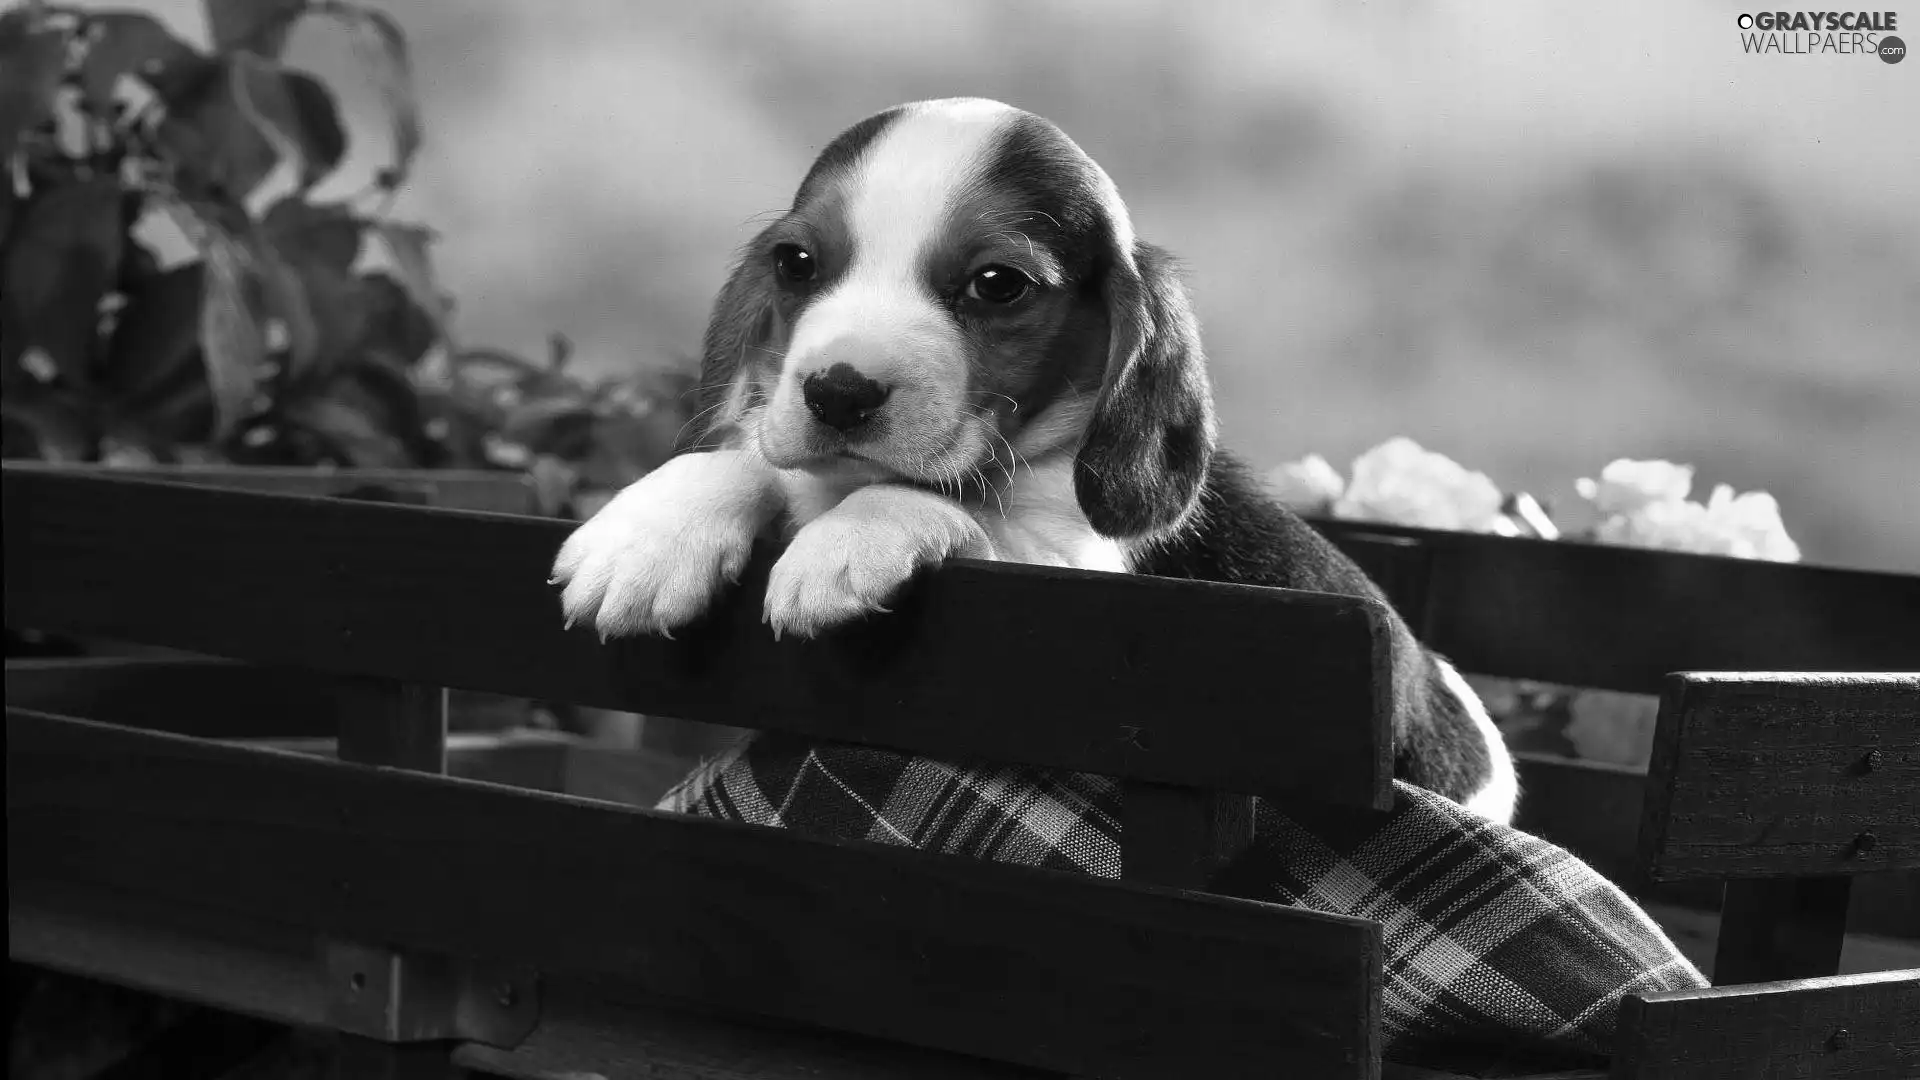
x=953 y=345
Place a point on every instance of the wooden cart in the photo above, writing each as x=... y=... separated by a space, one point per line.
x=440 y=924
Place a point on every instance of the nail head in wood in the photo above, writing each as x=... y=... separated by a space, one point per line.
x=1864 y=843
x=1839 y=1040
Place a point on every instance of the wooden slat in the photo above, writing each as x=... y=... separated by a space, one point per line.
x=1622 y=618
x=1847 y=1026
x=1784 y=774
x=886 y=942
x=450 y=489
x=1222 y=687
x=603 y=1027
x=240 y=962
x=216 y=699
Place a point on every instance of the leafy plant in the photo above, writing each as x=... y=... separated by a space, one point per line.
x=307 y=332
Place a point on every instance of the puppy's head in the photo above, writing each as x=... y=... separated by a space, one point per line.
x=957 y=291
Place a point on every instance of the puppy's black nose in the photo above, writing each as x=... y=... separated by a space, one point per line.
x=842 y=398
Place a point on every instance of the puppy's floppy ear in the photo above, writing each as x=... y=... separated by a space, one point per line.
x=741 y=339
x=1147 y=447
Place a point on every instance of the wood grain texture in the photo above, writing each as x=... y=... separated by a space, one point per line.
x=1215 y=686
x=1593 y=810
x=605 y=1027
x=1622 y=618
x=244 y=963
x=1784 y=774
x=450 y=489
x=1034 y=968
x=215 y=699
x=1850 y=1026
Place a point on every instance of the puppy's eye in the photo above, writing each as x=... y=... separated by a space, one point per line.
x=794 y=263
x=998 y=285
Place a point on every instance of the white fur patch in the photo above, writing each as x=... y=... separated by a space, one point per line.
x=1498 y=799
x=910 y=177
x=848 y=561
x=1043 y=524
x=655 y=557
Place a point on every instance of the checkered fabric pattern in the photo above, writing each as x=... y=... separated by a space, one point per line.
x=1493 y=936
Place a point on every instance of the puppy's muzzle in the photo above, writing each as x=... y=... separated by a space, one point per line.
x=843 y=398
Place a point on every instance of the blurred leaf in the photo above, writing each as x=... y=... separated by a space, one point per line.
x=328 y=233
x=312 y=247
x=157 y=333
x=397 y=326
x=347 y=424
x=560 y=426
x=63 y=256
x=232 y=339
x=215 y=149
x=382 y=46
x=176 y=411
x=622 y=449
x=414 y=263
x=554 y=482
x=47 y=426
x=294 y=111
x=255 y=26
x=32 y=59
x=394 y=403
x=128 y=43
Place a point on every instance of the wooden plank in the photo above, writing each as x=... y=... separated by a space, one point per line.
x=1781 y=928
x=240 y=962
x=1846 y=1026
x=450 y=489
x=1622 y=618
x=885 y=942
x=1593 y=810
x=213 y=698
x=1121 y=675
x=1764 y=775
x=604 y=1027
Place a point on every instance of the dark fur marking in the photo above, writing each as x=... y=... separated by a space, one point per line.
x=1240 y=534
x=1144 y=458
x=842 y=152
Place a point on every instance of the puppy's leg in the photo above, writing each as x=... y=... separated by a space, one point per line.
x=849 y=560
x=656 y=555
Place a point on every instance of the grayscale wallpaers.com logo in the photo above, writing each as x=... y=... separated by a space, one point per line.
x=1822 y=33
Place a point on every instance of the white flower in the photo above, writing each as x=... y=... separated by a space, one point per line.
x=1625 y=485
x=1400 y=483
x=1752 y=524
x=1309 y=485
x=1646 y=506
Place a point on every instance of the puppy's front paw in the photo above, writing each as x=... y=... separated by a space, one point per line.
x=653 y=559
x=843 y=566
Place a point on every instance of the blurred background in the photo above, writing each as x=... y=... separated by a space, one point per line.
x=1534 y=237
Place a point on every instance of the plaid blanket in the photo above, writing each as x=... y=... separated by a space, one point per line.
x=1493 y=936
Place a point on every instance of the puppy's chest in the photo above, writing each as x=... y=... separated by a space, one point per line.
x=1045 y=538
